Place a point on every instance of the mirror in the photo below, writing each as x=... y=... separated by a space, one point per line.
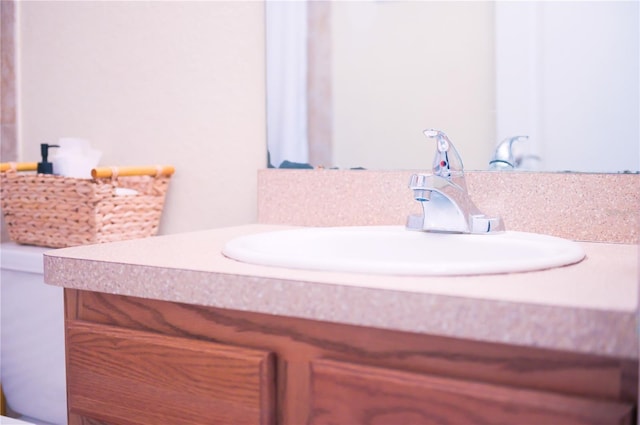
x=353 y=84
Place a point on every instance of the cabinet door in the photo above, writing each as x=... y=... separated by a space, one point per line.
x=121 y=376
x=344 y=393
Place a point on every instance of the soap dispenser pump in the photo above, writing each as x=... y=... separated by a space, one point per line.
x=45 y=167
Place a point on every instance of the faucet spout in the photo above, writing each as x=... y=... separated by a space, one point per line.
x=446 y=204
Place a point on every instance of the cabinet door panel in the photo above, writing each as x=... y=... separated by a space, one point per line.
x=123 y=376
x=344 y=393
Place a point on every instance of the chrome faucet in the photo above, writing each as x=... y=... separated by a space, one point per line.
x=504 y=157
x=446 y=205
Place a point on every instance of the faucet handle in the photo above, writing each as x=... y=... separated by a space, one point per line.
x=447 y=161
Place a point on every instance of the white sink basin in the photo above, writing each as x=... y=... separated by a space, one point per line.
x=396 y=251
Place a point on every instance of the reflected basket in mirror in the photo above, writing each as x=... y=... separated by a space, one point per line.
x=118 y=203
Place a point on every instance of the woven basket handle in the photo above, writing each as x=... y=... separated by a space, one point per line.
x=144 y=170
x=100 y=172
x=18 y=166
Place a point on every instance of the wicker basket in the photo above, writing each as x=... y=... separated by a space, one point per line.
x=55 y=211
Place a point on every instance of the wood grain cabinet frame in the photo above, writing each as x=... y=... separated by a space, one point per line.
x=141 y=361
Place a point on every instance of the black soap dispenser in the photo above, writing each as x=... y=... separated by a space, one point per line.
x=45 y=167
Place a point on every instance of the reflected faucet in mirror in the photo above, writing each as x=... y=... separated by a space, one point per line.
x=507 y=157
x=443 y=194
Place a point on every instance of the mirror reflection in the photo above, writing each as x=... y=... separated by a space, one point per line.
x=353 y=84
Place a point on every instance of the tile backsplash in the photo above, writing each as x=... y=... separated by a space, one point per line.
x=579 y=206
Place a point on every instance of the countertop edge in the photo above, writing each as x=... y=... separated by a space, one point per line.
x=589 y=331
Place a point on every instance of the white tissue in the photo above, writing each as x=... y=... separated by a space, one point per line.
x=75 y=158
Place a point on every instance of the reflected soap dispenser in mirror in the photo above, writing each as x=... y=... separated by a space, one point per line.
x=443 y=194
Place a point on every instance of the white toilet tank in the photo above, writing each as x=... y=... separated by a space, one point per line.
x=32 y=356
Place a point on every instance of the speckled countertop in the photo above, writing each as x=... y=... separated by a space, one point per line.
x=589 y=307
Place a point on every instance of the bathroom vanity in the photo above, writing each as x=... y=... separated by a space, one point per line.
x=168 y=330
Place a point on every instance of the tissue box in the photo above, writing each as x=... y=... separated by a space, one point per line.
x=55 y=211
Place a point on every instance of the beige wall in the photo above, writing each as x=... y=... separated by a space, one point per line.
x=177 y=83
x=400 y=67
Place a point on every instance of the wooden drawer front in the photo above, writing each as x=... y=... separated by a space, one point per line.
x=122 y=376
x=344 y=393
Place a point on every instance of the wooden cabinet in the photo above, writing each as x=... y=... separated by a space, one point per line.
x=344 y=393
x=138 y=361
x=126 y=376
